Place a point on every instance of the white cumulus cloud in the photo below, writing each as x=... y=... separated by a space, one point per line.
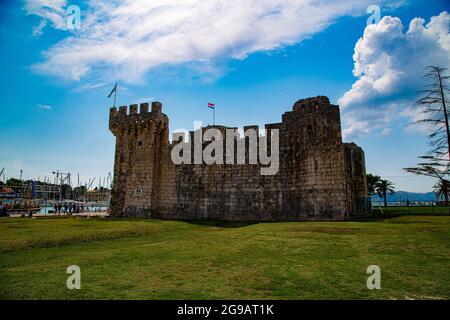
x=126 y=39
x=52 y=11
x=388 y=64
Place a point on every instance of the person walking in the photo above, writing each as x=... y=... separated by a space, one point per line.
x=2 y=210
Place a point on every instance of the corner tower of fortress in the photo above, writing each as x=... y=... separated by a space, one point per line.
x=319 y=177
x=142 y=138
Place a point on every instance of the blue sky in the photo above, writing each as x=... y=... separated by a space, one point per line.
x=54 y=116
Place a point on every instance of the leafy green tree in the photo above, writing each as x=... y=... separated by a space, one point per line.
x=371 y=182
x=14 y=182
x=66 y=191
x=79 y=192
x=383 y=188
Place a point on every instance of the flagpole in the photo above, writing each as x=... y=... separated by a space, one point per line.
x=214 y=115
x=115 y=93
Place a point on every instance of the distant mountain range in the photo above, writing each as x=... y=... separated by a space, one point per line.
x=411 y=196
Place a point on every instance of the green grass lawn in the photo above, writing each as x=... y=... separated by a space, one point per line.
x=154 y=259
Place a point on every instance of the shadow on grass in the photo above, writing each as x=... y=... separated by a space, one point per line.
x=222 y=223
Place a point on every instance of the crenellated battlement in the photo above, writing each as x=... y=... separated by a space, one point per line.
x=136 y=115
x=313 y=102
x=315 y=114
x=133 y=109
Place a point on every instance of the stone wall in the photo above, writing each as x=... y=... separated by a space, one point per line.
x=319 y=176
x=356 y=178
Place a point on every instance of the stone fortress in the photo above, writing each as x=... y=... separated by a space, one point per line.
x=319 y=176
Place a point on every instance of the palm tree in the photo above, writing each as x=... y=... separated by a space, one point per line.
x=442 y=188
x=383 y=187
x=371 y=183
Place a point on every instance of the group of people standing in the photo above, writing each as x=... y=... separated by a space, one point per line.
x=68 y=208
x=4 y=208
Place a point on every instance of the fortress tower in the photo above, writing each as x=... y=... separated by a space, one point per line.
x=141 y=138
x=313 y=169
x=319 y=176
